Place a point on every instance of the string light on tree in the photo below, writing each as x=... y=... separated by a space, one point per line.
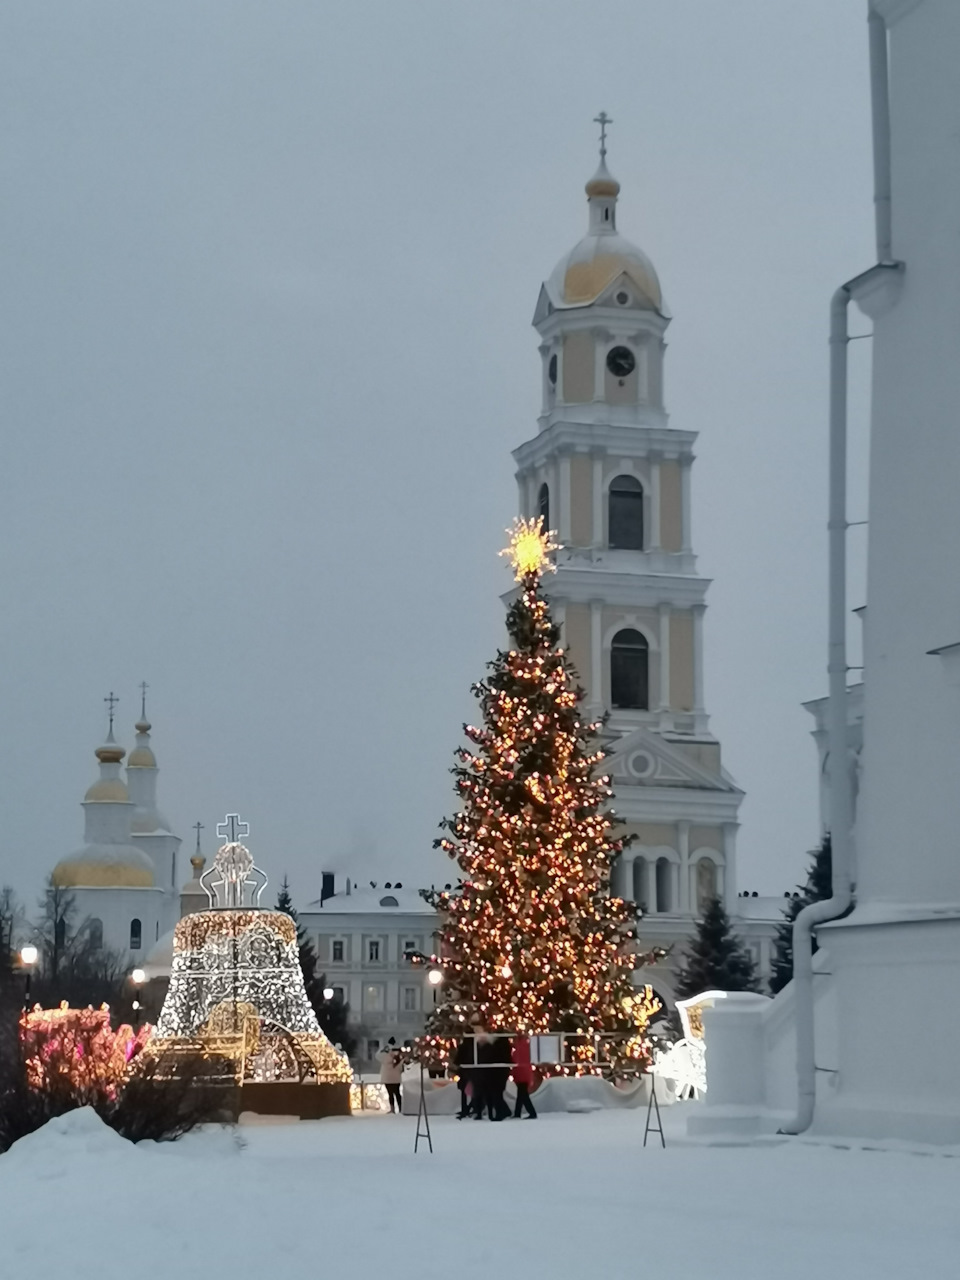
x=533 y=940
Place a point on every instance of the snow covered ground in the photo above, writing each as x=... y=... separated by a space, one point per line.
x=567 y=1196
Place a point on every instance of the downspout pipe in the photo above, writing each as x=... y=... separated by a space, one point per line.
x=840 y=808
x=880 y=112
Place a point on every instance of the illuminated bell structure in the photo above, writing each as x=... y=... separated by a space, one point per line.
x=236 y=985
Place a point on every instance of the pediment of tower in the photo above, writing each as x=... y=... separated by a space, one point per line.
x=636 y=290
x=544 y=306
x=643 y=758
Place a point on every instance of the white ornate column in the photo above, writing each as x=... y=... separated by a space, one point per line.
x=699 y=712
x=730 y=866
x=683 y=848
x=686 y=540
x=528 y=492
x=597 y=531
x=596 y=656
x=600 y=338
x=666 y=720
x=674 y=887
x=544 y=350
x=654 y=542
x=650 y=883
x=563 y=504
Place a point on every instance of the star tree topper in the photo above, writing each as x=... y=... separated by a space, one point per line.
x=530 y=548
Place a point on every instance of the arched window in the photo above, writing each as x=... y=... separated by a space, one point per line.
x=629 y=682
x=706 y=883
x=663 y=885
x=626 y=513
x=136 y=934
x=95 y=933
x=543 y=505
x=640 y=883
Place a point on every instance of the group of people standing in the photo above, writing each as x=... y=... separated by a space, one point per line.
x=485 y=1061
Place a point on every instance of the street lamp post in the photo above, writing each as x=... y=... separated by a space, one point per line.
x=138 y=978
x=28 y=958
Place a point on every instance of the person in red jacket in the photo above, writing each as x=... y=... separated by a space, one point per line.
x=522 y=1076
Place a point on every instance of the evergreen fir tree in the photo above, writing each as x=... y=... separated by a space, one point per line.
x=819 y=885
x=532 y=937
x=716 y=959
x=331 y=1014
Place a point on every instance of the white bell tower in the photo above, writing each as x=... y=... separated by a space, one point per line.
x=612 y=477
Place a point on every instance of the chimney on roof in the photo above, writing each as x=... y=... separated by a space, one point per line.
x=327 y=889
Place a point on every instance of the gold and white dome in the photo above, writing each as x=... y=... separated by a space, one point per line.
x=107 y=859
x=105 y=866
x=603 y=256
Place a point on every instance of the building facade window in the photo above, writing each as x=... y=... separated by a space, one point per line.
x=373 y=950
x=639 y=886
x=543 y=505
x=625 y=507
x=629 y=670
x=373 y=998
x=409 y=999
x=136 y=935
x=339 y=995
x=663 y=885
x=336 y=951
x=706 y=883
x=95 y=933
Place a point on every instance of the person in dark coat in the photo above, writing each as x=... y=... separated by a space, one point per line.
x=495 y=1052
x=523 y=1076
x=465 y=1061
x=484 y=1071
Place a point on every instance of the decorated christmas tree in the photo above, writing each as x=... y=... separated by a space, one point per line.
x=533 y=939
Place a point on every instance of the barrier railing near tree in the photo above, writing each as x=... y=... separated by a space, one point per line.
x=546 y=1051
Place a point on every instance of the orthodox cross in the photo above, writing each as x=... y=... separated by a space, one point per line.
x=111 y=702
x=232 y=829
x=143 y=699
x=233 y=880
x=198 y=827
x=603 y=120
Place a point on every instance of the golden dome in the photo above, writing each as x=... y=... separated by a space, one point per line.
x=603 y=183
x=105 y=867
x=142 y=758
x=583 y=274
x=110 y=753
x=107 y=791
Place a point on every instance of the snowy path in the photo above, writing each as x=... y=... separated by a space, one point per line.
x=519 y=1199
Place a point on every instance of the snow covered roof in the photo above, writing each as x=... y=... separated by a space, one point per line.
x=385 y=899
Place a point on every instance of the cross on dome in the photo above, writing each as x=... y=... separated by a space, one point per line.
x=111 y=700
x=603 y=120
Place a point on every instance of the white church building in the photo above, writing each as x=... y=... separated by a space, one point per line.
x=829 y=1053
x=124 y=878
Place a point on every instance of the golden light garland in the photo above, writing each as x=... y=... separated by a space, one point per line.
x=532 y=939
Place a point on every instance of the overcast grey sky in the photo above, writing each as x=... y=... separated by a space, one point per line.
x=267 y=273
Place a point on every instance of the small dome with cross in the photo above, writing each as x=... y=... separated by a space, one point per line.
x=595 y=262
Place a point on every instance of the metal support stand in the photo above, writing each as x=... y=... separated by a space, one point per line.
x=651 y=1105
x=423 y=1118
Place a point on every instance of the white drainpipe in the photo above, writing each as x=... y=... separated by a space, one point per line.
x=840 y=799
